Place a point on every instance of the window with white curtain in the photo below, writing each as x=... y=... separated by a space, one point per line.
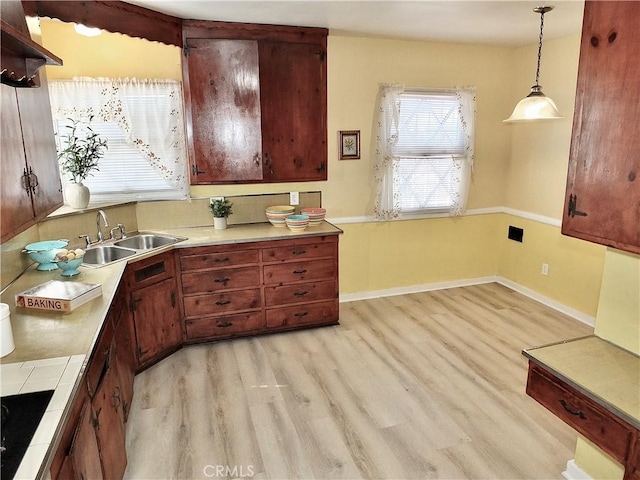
x=424 y=152
x=142 y=121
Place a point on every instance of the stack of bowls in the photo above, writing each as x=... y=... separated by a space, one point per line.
x=315 y=214
x=277 y=213
x=297 y=223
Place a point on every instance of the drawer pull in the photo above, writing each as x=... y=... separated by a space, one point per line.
x=300 y=272
x=226 y=302
x=225 y=324
x=222 y=260
x=300 y=293
x=222 y=280
x=299 y=252
x=572 y=412
x=301 y=314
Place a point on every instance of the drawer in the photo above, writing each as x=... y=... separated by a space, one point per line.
x=150 y=270
x=299 y=252
x=218 y=259
x=299 y=271
x=220 y=303
x=223 y=326
x=300 y=292
x=204 y=281
x=580 y=412
x=320 y=313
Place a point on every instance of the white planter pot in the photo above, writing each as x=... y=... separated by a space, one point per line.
x=219 y=223
x=77 y=195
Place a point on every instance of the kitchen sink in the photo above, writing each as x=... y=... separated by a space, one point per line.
x=137 y=243
x=104 y=254
x=146 y=241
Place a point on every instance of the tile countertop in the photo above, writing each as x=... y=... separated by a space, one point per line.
x=52 y=349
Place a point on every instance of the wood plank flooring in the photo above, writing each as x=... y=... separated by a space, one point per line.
x=426 y=385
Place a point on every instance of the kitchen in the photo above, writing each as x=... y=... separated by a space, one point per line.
x=519 y=180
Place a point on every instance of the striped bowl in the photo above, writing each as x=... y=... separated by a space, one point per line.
x=277 y=213
x=315 y=214
x=297 y=223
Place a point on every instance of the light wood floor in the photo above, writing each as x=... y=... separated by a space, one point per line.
x=427 y=385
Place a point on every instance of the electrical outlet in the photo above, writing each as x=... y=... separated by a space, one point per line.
x=294 y=198
x=545 y=269
x=211 y=199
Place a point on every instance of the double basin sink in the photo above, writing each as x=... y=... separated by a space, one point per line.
x=105 y=254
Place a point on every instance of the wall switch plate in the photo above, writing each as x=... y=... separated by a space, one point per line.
x=294 y=198
x=211 y=199
x=545 y=269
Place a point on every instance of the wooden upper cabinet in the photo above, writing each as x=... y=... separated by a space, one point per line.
x=224 y=102
x=256 y=99
x=602 y=203
x=294 y=103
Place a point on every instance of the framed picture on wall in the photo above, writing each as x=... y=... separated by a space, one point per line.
x=349 y=144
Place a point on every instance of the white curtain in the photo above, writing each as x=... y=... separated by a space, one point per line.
x=130 y=104
x=466 y=97
x=386 y=206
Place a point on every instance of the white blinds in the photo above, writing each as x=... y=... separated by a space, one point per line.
x=429 y=124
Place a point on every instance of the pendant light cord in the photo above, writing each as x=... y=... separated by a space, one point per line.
x=539 y=48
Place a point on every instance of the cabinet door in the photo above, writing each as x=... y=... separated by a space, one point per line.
x=84 y=454
x=156 y=321
x=17 y=209
x=107 y=406
x=40 y=146
x=222 y=95
x=603 y=184
x=124 y=352
x=293 y=96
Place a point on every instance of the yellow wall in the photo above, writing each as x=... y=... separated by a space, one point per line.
x=107 y=55
x=386 y=255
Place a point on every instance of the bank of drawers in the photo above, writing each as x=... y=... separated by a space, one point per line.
x=255 y=287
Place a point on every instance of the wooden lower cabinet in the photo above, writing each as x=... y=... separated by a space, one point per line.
x=153 y=306
x=109 y=423
x=258 y=287
x=92 y=444
x=78 y=456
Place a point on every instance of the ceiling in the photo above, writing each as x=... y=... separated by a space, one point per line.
x=504 y=23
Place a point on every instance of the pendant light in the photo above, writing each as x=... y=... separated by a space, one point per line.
x=536 y=105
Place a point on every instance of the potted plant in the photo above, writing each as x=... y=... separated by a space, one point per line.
x=79 y=158
x=221 y=209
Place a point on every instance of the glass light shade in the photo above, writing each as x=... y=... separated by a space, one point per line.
x=87 y=31
x=535 y=106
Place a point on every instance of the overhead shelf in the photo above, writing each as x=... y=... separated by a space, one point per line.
x=22 y=58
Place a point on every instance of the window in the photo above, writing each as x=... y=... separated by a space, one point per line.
x=142 y=121
x=424 y=151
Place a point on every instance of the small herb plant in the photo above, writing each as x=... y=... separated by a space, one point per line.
x=81 y=154
x=221 y=208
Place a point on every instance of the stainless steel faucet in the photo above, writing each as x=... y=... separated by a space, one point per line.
x=106 y=224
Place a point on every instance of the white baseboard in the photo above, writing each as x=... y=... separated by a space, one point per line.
x=574 y=472
x=571 y=312
x=428 y=287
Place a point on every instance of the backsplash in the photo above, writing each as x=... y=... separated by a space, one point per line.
x=68 y=224
x=196 y=213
